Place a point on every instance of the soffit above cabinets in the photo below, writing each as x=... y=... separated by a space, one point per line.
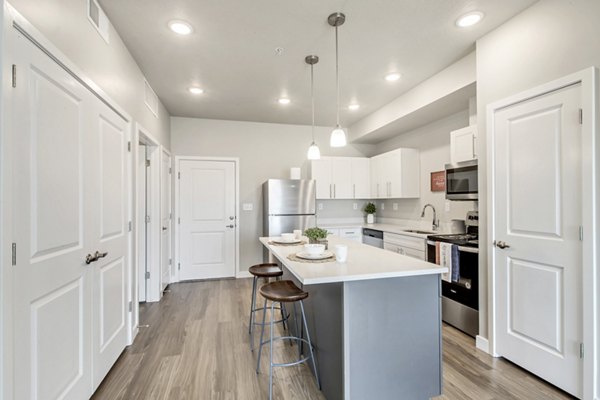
x=231 y=52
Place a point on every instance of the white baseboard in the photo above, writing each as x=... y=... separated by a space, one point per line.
x=482 y=344
x=243 y=274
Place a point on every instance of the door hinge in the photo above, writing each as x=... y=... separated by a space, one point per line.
x=179 y=220
x=14 y=75
x=169 y=170
x=147 y=163
x=179 y=266
x=129 y=226
x=581 y=116
x=129 y=146
x=130 y=306
x=169 y=261
x=581 y=353
x=581 y=233
x=170 y=215
x=147 y=274
x=179 y=175
x=14 y=254
x=147 y=219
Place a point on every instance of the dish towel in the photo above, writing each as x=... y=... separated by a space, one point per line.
x=446 y=260
x=437 y=253
x=455 y=264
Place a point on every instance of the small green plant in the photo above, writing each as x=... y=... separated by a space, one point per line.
x=370 y=208
x=315 y=234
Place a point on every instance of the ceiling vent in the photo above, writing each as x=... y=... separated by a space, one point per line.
x=150 y=98
x=98 y=19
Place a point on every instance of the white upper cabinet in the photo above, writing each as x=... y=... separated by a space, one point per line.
x=341 y=177
x=463 y=144
x=396 y=175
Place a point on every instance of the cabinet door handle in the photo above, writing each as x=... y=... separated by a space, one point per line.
x=334 y=196
x=378 y=190
x=330 y=195
x=354 y=190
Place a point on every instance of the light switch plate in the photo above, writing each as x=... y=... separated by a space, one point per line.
x=395 y=206
x=355 y=206
x=383 y=206
x=447 y=205
x=320 y=206
x=247 y=206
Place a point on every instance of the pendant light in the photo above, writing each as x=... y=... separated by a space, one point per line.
x=313 y=151
x=338 y=136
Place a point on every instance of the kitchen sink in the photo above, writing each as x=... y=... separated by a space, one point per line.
x=419 y=232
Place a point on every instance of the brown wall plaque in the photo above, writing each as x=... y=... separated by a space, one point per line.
x=438 y=181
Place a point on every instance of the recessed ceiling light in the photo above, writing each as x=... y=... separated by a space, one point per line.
x=180 y=27
x=196 y=90
x=353 y=107
x=392 y=77
x=283 y=101
x=469 y=19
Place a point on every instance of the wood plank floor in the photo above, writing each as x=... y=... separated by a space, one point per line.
x=197 y=347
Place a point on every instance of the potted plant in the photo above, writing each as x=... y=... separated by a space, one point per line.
x=370 y=209
x=316 y=235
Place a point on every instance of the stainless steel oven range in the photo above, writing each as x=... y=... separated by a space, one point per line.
x=460 y=297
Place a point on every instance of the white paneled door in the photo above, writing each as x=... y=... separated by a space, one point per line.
x=538 y=252
x=207 y=212
x=165 y=217
x=70 y=198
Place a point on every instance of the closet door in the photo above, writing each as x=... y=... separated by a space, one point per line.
x=52 y=185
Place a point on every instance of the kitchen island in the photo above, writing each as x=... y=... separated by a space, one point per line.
x=375 y=321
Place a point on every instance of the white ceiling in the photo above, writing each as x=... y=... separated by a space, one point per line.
x=231 y=53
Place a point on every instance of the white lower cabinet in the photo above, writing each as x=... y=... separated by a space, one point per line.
x=405 y=244
x=352 y=233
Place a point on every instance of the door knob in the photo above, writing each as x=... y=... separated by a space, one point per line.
x=501 y=245
x=231 y=218
x=164 y=228
x=230 y=226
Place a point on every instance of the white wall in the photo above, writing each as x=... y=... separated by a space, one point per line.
x=551 y=39
x=265 y=151
x=110 y=66
x=433 y=142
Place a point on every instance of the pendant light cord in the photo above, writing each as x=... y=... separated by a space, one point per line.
x=337 y=76
x=312 y=99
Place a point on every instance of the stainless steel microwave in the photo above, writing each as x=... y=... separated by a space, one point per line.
x=461 y=181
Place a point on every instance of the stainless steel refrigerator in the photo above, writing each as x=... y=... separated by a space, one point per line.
x=288 y=204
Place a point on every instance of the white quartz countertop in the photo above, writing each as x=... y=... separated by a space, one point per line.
x=391 y=228
x=364 y=263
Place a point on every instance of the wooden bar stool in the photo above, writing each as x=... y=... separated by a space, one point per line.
x=268 y=271
x=285 y=292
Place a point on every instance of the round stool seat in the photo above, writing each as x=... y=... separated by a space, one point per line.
x=283 y=291
x=268 y=270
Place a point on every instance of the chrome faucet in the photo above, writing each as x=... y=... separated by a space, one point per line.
x=435 y=223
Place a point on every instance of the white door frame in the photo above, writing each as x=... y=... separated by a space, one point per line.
x=236 y=162
x=153 y=149
x=590 y=151
x=9 y=16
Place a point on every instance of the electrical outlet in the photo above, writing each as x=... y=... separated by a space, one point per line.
x=320 y=206
x=382 y=206
x=447 y=205
x=355 y=206
x=395 y=206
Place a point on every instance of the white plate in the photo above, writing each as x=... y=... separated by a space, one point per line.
x=282 y=241
x=308 y=256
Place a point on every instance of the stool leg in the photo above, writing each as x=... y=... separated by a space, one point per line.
x=297 y=330
x=252 y=307
x=312 y=356
x=271 y=352
x=262 y=332
x=283 y=317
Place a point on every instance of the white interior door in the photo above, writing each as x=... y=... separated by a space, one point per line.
x=207 y=219
x=107 y=209
x=53 y=183
x=537 y=212
x=165 y=217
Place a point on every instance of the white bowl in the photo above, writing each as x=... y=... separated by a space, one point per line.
x=288 y=237
x=314 y=249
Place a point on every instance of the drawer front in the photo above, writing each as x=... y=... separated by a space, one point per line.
x=405 y=241
x=405 y=251
x=331 y=231
x=350 y=232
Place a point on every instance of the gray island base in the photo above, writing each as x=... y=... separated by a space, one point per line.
x=377 y=335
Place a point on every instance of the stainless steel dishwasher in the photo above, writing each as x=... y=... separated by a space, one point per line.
x=373 y=237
